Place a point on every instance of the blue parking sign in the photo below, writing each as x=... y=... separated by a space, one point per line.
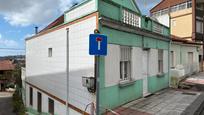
x=98 y=44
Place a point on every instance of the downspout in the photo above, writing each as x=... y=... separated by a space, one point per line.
x=169 y=50
x=67 y=72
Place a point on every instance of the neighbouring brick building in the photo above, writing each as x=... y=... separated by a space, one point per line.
x=6 y=68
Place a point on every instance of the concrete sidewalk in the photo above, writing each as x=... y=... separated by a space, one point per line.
x=166 y=102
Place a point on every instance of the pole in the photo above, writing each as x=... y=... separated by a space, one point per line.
x=97 y=58
x=97 y=85
x=203 y=46
x=67 y=71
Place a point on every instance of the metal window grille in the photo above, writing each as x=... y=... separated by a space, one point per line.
x=125 y=63
x=157 y=28
x=160 y=61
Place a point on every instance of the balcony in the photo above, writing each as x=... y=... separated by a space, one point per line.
x=131 y=18
x=153 y=26
x=134 y=19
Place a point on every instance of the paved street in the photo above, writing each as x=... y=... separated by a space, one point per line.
x=166 y=102
x=6 y=103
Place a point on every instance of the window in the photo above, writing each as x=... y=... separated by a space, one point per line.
x=189 y=4
x=173 y=22
x=182 y=6
x=131 y=18
x=31 y=96
x=174 y=8
x=160 y=61
x=49 y=52
x=39 y=102
x=125 y=63
x=164 y=11
x=51 y=106
x=157 y=28
x=172 y=59
x=199 y=26
x=190 y=57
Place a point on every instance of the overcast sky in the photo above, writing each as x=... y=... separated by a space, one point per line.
x=19 y=17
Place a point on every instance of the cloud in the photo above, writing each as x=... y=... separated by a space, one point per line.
x=37 y=12
x=7 y=42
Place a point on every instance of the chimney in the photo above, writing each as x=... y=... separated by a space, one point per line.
x=36 y=30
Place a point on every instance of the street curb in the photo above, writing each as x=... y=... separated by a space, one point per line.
x=196 y=107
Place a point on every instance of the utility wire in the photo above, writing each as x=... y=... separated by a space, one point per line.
x=11 y=49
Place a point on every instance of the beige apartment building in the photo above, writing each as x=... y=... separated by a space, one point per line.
x=185 y=19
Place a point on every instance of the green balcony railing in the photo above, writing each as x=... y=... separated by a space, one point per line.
x=151 y=25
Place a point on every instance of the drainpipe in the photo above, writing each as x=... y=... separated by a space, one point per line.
x=169 y=48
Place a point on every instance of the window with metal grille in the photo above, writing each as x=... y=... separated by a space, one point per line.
x=131 y=18
x=125 y=62
x=157 y=28
x=160 y=61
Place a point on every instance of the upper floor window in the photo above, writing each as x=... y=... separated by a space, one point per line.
x=189 y=4
x=200 y=6
x=199 y=26
x=131 y=18
x=49 y=52
x=157 y=28
x=125 y=62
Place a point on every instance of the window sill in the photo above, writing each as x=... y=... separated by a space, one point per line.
x=160 y=75
x=125 y=83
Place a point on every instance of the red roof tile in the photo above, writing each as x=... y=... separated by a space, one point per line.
x=6 y=65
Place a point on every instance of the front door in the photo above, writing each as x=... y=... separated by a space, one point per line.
x=39 y=102
x=145 y=68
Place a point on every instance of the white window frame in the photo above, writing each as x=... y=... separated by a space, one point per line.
x=172 y=57
x=160 y=61
x=50 y=52
x=199 y=26
x=125 y=63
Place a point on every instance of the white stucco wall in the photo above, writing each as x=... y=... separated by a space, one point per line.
x=49 y=73
x=181 y=57
x=81 y=11
x=164 y=19
x=112 y=64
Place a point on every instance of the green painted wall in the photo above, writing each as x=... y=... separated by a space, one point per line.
x=111 y=97
x=114 y=96
x=124 y=38
x=157 y=83
x=127 y=4
x=109 y=10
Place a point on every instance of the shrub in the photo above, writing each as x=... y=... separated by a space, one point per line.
x=18 y=106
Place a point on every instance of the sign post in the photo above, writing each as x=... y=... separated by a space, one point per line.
x=97 y=47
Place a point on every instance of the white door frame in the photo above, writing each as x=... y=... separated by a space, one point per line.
x=145 y=71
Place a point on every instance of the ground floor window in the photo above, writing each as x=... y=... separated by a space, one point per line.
x=51 y=106
x=31 y=96
x=125 y=63
x=190 y=57
x=172 y=59
x=160 y=60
